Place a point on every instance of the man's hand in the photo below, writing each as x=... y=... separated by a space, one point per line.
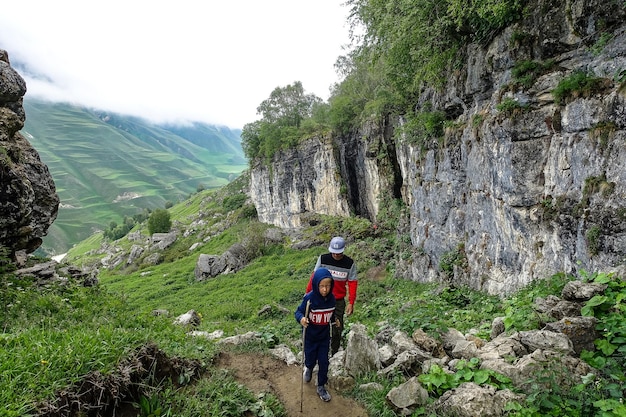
x=304 y=322
x=349 y=309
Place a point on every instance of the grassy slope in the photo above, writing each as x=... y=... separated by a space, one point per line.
x=50 y=340
x=94 y=162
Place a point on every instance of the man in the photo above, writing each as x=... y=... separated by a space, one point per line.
x=343 y=270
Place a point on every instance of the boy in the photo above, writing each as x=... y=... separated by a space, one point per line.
x=315 y=314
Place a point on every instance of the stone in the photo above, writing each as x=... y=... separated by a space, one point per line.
x=580 y=330
x=408 y=395
x=190 y=318
x=361 y=352
x=471 y=400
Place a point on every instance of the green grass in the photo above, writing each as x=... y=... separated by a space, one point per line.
x=227 y=302
x=53 y=337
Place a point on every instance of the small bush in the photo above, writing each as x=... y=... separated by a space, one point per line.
x=579 y=84
x=592 y=236
x=510 y=106
x=602 y=133
x=437 y=381
x=453 y=258
x=478 y=119
x=598 y=184
x=525 y=73
x=601 y=43
x=233 y=202
x=248 y=211
x=423 y=126
x=604 y=391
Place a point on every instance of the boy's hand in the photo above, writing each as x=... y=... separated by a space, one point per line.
x=304 y=322
x=337 y=323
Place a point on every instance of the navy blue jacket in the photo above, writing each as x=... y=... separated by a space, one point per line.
x=321 y=309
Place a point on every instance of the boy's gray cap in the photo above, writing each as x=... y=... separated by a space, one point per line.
x=337 y=245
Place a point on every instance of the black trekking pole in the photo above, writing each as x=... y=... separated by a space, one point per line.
x=306 y=314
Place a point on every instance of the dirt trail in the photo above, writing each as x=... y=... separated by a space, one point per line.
x=261 y=373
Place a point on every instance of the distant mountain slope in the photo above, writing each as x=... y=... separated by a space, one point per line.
x=107 y=166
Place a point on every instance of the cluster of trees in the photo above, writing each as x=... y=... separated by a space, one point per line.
x=283 y=114
x=399 y=48
x=117 y=231
x=158 y=222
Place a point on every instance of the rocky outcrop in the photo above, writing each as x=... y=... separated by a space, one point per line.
x=505 y=197
x=52 y=273
x=523 y=357
x=28 y=199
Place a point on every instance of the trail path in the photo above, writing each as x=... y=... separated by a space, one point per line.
x=261 y=373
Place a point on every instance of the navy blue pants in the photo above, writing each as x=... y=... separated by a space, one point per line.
x=316 y=351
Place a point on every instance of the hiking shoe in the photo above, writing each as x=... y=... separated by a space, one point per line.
x=306 y=375
x=324 y=395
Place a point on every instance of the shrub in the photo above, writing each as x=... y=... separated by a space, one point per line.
x=526 y=72
x=602 y=132
x=115 y=231
x=159 y=221
x=233 y=202
x=248 y=211
x=580 y=83
x=605 y=390
x=437 y=381
x=423 y=126
x=453 y=258
x=592 y=236
x=510 y=106
x=477 y=120
x=601 y=43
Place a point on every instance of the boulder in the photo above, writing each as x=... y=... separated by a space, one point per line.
x=28 y=199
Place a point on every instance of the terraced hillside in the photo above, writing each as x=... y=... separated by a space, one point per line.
x=107 y=166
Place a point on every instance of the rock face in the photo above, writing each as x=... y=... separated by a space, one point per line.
x=504 y=197
x=307 y=179
x=28 y=198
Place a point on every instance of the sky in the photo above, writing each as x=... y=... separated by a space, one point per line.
x=196 y=60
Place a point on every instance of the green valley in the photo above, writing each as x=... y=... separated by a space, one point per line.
x=108 y=166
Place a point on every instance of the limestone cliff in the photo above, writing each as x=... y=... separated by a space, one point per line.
x=506 y=197
x=28 y=199
x=303 y=179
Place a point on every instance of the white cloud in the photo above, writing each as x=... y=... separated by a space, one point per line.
x=206 y=60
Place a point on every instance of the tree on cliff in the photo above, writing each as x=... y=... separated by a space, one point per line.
x=282 y=115
x=401 y=47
